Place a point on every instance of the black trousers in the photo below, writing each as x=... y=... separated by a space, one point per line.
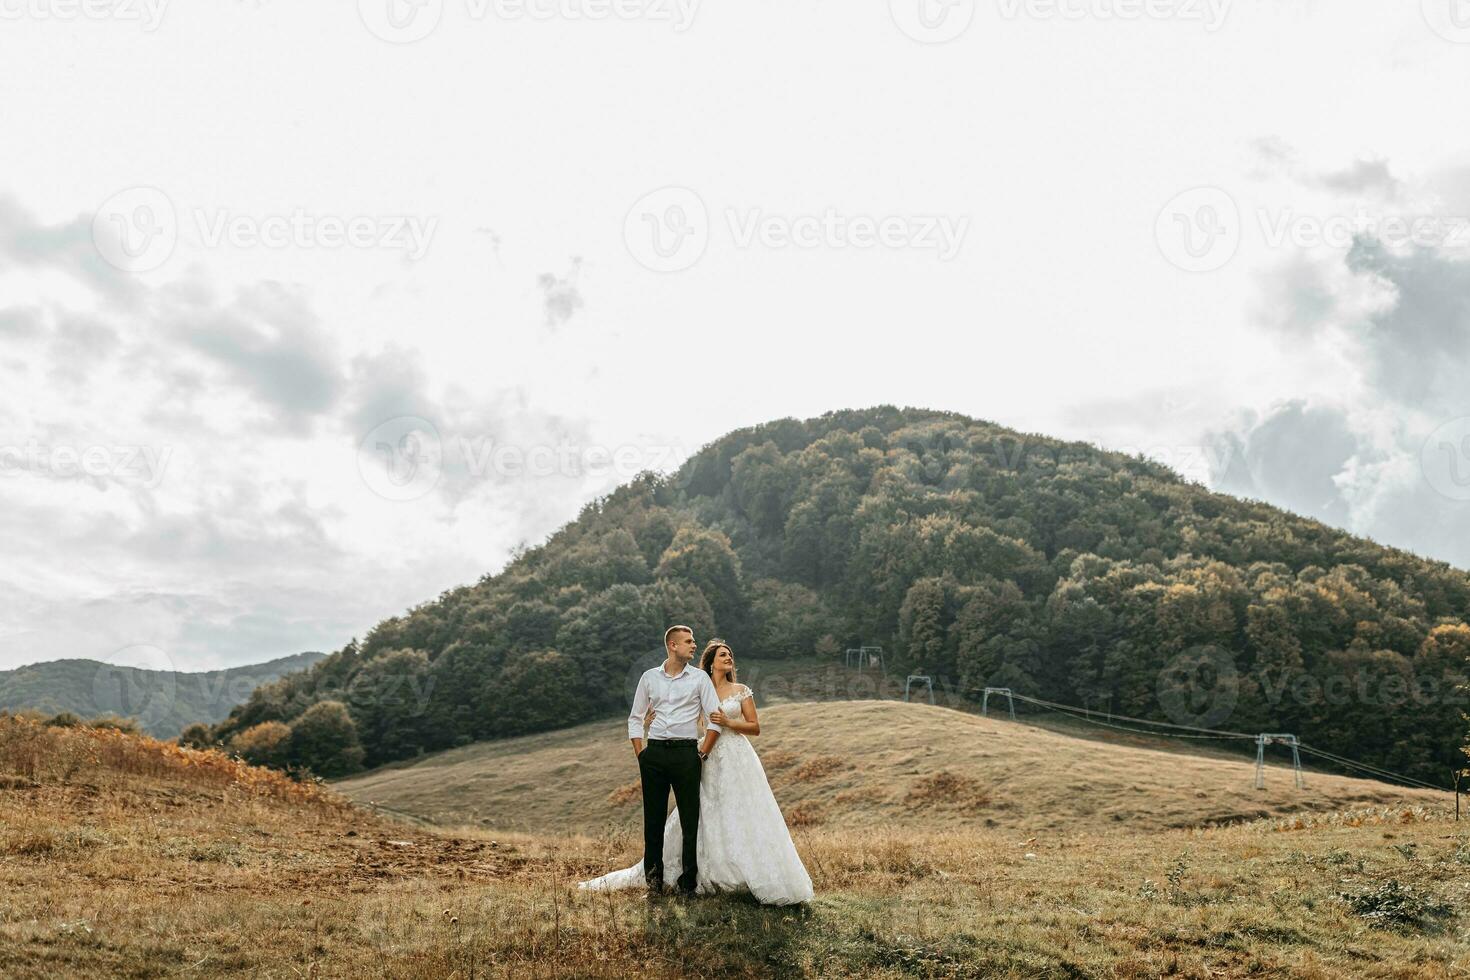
x=665 y=765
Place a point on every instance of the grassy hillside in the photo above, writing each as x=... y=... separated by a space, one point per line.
x=125 y=857
x=162 y=701
x=861 y=765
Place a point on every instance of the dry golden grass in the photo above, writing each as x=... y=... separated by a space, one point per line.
x=120 y=859
x=865 y=763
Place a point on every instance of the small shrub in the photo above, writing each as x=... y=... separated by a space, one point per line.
x=126 y=725
x=31 y=844
x=1394 y=903
x=1175 y=877
x=197 y=736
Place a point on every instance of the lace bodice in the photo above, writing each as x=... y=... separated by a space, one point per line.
x=732 y=701
x=730 y=705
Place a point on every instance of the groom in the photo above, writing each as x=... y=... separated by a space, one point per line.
x=677 y=693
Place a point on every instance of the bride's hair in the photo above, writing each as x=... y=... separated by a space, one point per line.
x=707 y=659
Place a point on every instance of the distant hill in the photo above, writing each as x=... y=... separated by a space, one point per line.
x=871 y=765
x=162 y=701
x=975 y=554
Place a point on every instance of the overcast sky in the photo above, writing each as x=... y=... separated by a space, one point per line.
x=307 y=315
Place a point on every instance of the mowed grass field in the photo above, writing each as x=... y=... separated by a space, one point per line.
x=124 y=857
x=863 y=765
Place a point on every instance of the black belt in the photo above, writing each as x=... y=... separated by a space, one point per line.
x=674 y=741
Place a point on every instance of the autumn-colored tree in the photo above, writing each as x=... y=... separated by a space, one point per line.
x=266 y=744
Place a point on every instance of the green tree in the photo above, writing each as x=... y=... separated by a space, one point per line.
x=705 y=560
x=788 y=618
x=532 y=694
x=197 y=736
x=324 y=740
x=389 y=699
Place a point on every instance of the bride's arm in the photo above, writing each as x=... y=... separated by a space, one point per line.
x=747 y=724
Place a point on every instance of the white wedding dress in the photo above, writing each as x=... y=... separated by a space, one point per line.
x=743 y=841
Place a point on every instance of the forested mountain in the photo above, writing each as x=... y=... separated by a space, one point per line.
x=161 y=701
x=983 y=555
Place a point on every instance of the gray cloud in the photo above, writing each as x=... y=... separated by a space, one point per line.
x=1297 y=298
x=1293 y=457
x=22 y=322
x=79 y=343
x=1363 y=176
x=26 y=241
x=268 y=341
x=1418 y=350
x=387 y=385
x=559 y=295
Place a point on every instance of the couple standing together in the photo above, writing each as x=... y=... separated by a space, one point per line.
x=727 y=833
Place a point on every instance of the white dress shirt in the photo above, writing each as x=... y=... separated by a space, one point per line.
x=677 y=703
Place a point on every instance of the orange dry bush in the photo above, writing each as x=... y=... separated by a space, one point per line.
x=822 y=765
x=624 y=795
x=779 y=759
x=946 y=787
x=807 y=814
x=863 y=794
x=42 y=753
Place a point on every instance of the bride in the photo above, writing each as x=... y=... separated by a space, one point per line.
x=743 y=841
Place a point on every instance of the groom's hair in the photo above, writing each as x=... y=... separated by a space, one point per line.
x=668 y=633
